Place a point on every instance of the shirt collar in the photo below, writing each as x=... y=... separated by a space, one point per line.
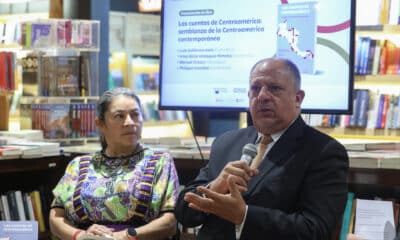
x=275 y=136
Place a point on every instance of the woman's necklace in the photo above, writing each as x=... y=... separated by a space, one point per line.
x=114 y=166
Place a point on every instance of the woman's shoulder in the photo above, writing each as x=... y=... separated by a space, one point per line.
x=159 y=155
x=76 y=160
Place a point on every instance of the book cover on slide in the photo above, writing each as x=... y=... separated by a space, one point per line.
x=296 y=34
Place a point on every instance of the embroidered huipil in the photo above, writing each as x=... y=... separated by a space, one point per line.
x=130 y=190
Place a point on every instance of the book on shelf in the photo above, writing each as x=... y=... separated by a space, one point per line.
x=346 y=216
x=30 y=76
x=353 y=121
x=10 y=152
x=7 y=71
x=12 y=205
x=6 y=209
x=371 y=56
x=85 y=76
x=9 y=34
x=372 y=145
x=31 y=149
x=58 y=125
x=27 y=134
x=60 y=75
x=384 y=11
x=2 y=215
x=20 y=205
x=63 y=32
x=368 y=14
x=4 y=111
x=375 y=159
x=28 y=207
x=38 y=210
x=3 y=71
x=376 y=57
x=363 y=51
x=41 y=35
x=363 y=105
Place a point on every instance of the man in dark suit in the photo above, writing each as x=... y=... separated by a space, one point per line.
x=298 y=191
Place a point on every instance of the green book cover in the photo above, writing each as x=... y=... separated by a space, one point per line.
x=346 y=216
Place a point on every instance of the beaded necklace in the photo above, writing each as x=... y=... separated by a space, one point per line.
x=113 y=166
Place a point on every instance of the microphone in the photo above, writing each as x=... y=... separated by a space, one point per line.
x=249 y=151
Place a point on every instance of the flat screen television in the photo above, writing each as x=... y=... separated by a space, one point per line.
x=209 y=46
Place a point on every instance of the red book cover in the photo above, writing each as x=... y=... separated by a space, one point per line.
x=392 y=59
x=385 y=110
x=384 y=56
x=10 y=71
x=3 y=71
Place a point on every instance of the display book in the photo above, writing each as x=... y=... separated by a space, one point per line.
x=16 y=205
x=59 y=77
x=375 y=218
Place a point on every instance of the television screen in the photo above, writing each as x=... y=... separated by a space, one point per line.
x=209 y=46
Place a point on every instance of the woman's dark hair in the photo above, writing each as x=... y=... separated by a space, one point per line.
x=105 y=101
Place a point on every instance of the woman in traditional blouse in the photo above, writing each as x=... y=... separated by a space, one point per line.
x=125 y=191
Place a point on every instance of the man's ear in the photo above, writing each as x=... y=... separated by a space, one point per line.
x=299 y=97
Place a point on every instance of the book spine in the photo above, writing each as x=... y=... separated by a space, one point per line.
x=363 y=108
x=35 y=195
x=380 y=110
x=6 y=207
x=29 y=208
x=20 y=205
x=12 y=203
x=385 y=110
x=346 y=216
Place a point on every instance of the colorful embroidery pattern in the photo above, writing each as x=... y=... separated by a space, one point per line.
x=136 y=188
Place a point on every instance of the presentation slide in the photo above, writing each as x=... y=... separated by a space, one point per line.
x=209 y=47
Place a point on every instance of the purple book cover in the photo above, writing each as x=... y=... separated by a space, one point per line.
x=41 y=35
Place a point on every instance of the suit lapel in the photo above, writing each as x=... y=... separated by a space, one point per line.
x=279 y=153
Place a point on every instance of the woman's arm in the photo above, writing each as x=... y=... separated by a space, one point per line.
x=59 y=226
x=160 y=228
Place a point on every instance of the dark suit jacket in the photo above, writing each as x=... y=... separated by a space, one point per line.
x=300 y=192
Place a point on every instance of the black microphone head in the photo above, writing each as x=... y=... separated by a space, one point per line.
x=250 y=149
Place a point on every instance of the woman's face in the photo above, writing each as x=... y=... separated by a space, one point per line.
x=122 y=125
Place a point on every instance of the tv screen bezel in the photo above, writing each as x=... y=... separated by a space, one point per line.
x=347 y=110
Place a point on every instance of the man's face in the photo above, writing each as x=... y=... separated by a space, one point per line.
x=274 y=99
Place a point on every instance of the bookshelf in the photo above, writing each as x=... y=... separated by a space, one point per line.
x=380 y=46
x=33 y=174
x=59 y=75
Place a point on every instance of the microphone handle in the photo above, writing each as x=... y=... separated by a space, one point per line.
x=246 y=158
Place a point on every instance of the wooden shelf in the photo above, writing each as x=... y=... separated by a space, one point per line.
x=386 y=177
x=147 y=92
x=163 y=123
x=362 y=133
x=32 y=164
x=387 y=29
x=57 y=99
x=377 y=80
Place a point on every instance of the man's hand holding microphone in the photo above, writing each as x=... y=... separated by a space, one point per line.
x=224 y=193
